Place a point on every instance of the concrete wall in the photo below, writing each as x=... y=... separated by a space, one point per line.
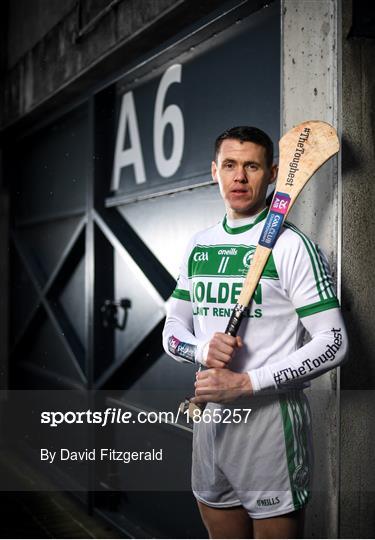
x=357 y=508
x=29 y=22
x=309 y=91
x=62 y=48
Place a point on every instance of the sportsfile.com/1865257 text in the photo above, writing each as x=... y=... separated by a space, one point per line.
x=113 y=415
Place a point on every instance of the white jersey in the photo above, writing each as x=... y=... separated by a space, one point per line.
x=294 y=286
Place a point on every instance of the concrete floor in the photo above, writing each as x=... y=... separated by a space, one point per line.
x=43 y=514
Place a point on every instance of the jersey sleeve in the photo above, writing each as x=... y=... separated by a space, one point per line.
x=181 y=291
x=326 y=350
x=179 y=340
x=306 y=276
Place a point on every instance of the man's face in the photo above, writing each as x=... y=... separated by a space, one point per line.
x=243 y=176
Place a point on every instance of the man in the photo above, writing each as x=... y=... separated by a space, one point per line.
x=252 y=478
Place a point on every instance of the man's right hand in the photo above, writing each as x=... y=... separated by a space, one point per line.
x=221 y=349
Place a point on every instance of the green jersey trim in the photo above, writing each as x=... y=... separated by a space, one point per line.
x=322 y=279
x=317 y=307
x=244 y=228
x=181 y=294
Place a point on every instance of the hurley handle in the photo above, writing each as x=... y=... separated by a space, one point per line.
x=258 y=263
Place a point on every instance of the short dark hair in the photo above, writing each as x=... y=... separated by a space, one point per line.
x=247 y=134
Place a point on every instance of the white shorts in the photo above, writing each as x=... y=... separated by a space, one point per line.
x=263 y=464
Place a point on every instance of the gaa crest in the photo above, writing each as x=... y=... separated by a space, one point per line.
x=301 y=477
x=247 y=258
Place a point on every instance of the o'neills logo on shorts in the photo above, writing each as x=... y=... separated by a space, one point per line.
x=271 y=501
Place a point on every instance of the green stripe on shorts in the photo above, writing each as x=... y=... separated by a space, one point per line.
x=295 y=446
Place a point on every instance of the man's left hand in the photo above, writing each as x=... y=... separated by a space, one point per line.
x=221 y=386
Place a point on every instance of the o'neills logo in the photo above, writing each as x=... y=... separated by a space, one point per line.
x=231 y=251
x=293 y=165
x=270 y=501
